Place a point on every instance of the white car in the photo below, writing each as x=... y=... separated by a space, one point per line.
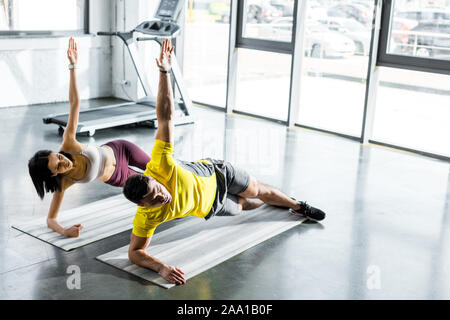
x=279 y=30
x=260 y=11
x=320 y=42
x=351 y=28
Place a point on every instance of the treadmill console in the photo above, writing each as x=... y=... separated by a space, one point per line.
x=167 y=14
x=169 y=9
x=158 y=28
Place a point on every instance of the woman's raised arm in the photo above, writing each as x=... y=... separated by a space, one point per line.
x=69 y=137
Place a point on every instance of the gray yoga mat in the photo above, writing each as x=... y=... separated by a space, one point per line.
x=100 y=219
x=196 y=245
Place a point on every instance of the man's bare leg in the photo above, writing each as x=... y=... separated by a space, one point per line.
x=275 y=197
x=269 y=195
x=249 y=204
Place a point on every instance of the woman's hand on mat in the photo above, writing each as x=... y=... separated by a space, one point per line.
x=165 y=58
x=172 y=274
x=72 y=52
x=74 y=231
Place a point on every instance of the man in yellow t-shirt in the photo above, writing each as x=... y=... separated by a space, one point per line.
x=171 y=189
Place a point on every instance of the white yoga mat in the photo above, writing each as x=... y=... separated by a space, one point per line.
x=100 y=219
x=197 y=245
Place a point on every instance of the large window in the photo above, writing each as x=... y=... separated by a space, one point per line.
x=25 y=17
x=413 y=105
x=269 y=21
x=415 y=34
x=388 y=87
x=413 y=111
x=266 y=25
x=206 y=50
x=336 y=55
x=263 y=88
x=421 y=32
x=264 y=38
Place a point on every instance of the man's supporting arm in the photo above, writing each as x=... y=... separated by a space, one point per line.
x=138 y=255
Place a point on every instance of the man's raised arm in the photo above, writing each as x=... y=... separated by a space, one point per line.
x=164 y=103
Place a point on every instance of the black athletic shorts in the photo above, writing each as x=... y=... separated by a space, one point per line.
x=231 y=181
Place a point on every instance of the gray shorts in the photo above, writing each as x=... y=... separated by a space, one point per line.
x=231 y=181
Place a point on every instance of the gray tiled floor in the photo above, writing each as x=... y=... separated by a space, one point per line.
x=388 y=216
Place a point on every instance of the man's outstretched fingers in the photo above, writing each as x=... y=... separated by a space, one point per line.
x=173 y=275
x=179 y=274
x=179 y=270
x=178 y=279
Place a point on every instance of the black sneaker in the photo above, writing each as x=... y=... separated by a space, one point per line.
x=309 y=211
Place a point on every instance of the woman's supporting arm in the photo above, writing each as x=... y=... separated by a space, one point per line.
x=53 y=224
x=53 y=212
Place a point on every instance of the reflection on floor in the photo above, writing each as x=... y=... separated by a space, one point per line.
x=386 y=235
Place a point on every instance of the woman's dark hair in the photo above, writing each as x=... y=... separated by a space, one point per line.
x=42 y=177
x=136 y=187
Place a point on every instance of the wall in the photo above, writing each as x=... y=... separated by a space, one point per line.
x=34 y=70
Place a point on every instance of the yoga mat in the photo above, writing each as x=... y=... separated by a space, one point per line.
x=100 y=219
x=195 y=245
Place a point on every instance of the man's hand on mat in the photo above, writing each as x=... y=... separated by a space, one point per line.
x=165 y=58
x=74 y=231
x=172 y=274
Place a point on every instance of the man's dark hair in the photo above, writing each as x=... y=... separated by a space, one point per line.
x=136 y=187
x=41 y=175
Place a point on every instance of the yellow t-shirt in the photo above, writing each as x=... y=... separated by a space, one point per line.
x=192 y=186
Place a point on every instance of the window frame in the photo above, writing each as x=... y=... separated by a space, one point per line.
x=51 y=33
x=403 y=61
x=261 y=44
x=237 y=41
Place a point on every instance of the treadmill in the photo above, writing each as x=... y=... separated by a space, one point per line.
x=142 y=111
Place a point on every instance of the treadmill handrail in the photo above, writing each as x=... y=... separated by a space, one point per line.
x=137 y=118
x=125 y=36
x=53 y=115
x=129 y=116
x=117 y=121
